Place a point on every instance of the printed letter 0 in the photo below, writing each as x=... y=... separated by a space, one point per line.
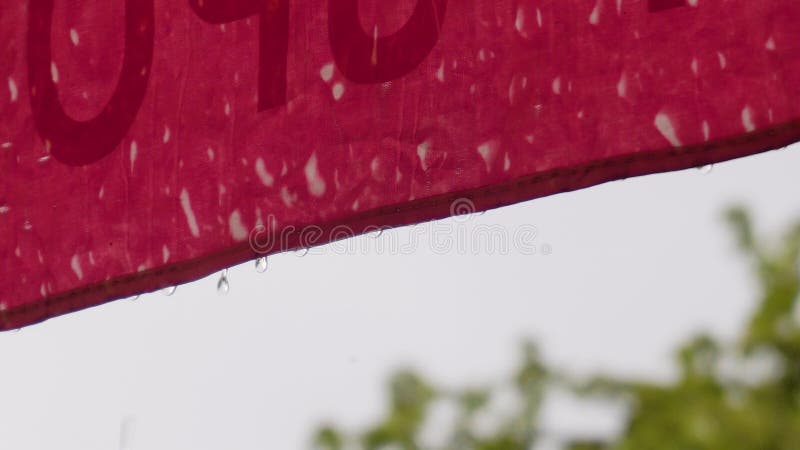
x=80 y=143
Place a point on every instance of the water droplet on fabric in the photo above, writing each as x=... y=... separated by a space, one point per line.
x=527 y=20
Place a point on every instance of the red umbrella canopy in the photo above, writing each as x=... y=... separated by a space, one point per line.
x=147 y=143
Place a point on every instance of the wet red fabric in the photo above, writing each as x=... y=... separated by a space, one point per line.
x=145 y=143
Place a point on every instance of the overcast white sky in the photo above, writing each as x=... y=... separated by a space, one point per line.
x=635 y=267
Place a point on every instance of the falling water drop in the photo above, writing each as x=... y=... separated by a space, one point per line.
x=126 y=430
x=261 y=264
x=223 y=285
x=169 y=291
x=705 y=170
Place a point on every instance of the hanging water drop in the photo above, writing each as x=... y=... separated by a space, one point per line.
x=707 y=169
x=135 y=297
x=303 y=251
x=223 y=286
x=261 y=264
x=169 y=291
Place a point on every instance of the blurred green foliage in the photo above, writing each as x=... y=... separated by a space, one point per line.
x=740 y=395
